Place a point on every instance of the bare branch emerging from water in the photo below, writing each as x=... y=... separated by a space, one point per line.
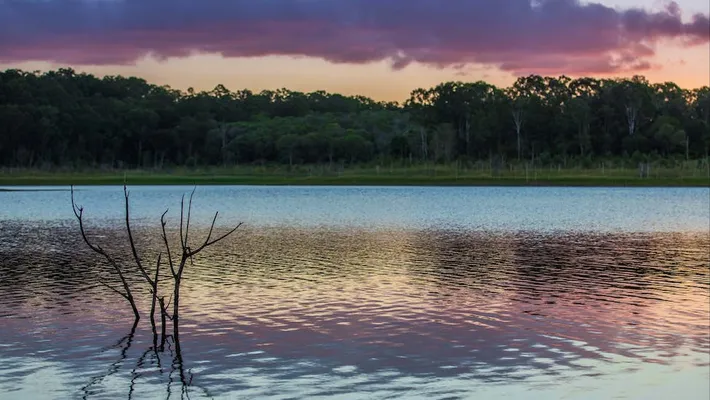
x=177 y=268
x=126 y=294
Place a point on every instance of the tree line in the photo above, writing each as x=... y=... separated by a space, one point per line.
x=63 y=118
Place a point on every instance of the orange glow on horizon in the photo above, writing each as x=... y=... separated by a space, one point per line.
x=687 y=67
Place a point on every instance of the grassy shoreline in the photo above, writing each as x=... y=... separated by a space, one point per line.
x=362 y=177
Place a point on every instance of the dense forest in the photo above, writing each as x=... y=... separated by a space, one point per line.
x=67 y=119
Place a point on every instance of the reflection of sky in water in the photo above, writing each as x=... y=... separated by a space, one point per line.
x=409 y=313
x=481 y=208
x=653 y=382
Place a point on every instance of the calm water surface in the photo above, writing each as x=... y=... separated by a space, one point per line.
x=437 y=293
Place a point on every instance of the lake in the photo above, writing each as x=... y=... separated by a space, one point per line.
x=367 y=292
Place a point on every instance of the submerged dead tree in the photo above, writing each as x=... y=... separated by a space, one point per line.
x=177 y=265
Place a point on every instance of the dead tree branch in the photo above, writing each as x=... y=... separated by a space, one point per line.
x=137 y=259
x=177 y=267
x=165 y=240
x=153 y=283
x=126 y=293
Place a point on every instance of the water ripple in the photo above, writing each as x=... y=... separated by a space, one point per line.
x=307 y=313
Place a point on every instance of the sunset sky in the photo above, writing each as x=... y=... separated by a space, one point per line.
x=378 y=48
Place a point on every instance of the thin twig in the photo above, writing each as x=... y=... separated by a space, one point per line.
x=208 y=243
x=167 y=306
x=157 y=274
x=114 y=289
x=182 y=217
x=189 y=211
x=167 y=246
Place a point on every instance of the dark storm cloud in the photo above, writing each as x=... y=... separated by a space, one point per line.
x=544 y=36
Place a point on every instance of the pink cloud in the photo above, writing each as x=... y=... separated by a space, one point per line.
x=552 y=36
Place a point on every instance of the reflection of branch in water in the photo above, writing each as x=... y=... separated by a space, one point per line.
x=115 y=345
x=152 y=357
x=114 y=366
x=170 y=375
x=134 y=374
x=157 y=352
x=179 y=367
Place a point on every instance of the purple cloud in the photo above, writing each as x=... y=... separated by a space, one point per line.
x=545 y=36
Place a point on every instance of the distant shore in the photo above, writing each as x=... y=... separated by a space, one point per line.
x=23 y=179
